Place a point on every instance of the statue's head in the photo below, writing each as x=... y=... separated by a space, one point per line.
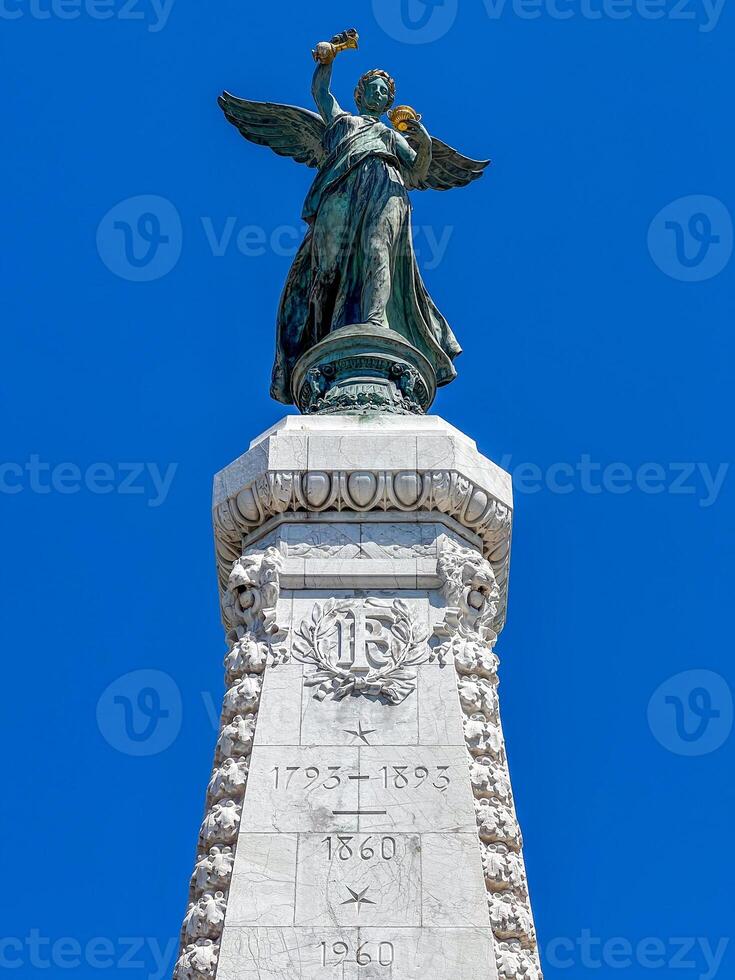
x=375 y=92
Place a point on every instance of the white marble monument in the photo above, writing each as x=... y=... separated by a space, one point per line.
x=360 y=819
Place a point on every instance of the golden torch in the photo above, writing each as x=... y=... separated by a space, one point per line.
x=326 y=51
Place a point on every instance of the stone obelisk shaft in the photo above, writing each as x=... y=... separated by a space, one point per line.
x=360 y=819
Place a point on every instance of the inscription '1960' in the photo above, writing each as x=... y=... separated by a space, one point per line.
x=366 y=954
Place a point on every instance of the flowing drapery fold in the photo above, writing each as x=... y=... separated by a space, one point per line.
x=357 y=263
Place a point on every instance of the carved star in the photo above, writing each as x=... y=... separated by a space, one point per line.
x=358 y=898
x=361 y=733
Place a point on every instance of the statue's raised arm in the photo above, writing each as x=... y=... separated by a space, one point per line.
x=289 y=130
x=324 y=54
x=355 y=291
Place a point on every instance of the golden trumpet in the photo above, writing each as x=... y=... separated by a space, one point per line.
x=327 y=51
x=401 y=115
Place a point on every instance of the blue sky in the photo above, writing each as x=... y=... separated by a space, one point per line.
x=589 y=279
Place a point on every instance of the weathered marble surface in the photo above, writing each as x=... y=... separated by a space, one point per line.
x=315 y=954
x=353 y=819
x=330 y=874
x=302 y=789
x=360 y=819
x=264 y=880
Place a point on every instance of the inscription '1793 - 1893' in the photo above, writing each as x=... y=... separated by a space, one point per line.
x=391 y=777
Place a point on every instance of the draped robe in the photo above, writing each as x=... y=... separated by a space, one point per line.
x=357 y=262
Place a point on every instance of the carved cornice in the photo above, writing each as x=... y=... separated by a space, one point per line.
x=276 y=493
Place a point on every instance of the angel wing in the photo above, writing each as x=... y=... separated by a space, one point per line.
x=449 y=169
x=286 y=129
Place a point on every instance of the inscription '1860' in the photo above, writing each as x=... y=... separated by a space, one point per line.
x=370 y=848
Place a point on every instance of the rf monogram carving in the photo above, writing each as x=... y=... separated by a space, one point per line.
x=365 y=648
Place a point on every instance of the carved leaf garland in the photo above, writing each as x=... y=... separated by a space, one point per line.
x=391 y=675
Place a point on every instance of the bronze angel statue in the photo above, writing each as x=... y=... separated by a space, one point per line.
x=357 y=263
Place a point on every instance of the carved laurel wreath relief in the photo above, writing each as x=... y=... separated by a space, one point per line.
x=364 y=648
x=369 y=648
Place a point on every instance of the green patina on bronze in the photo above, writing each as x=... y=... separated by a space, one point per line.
x=357 y=329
